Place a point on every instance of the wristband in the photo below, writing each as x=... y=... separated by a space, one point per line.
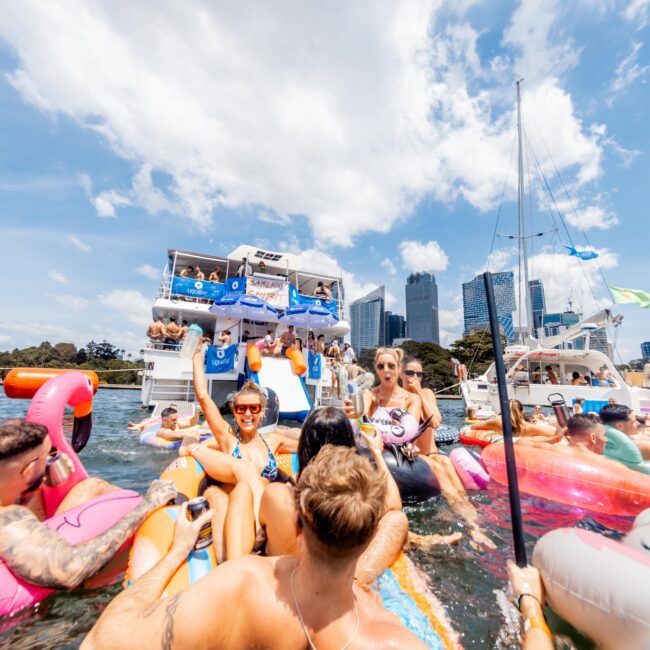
x=518 y=601
x=537 y=623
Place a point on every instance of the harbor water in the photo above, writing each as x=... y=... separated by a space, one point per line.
x=469 y=583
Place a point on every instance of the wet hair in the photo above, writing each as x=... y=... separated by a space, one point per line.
x=339 y=501
x=517 y=416
x=611 y=413
x=325 y=426
x=167 y=412
x=581 y=424
x=18 y=436
x=249 y=388
x=397 y=353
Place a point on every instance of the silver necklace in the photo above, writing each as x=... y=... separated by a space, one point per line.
x=302 y=622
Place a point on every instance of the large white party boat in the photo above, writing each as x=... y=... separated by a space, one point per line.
x=281 y=282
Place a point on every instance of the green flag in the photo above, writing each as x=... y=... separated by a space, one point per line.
x=636 y=296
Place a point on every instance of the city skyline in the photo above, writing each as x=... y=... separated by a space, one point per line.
x=421 y=294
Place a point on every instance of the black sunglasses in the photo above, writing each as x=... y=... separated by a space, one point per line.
x=389 y=365
x=414 y=373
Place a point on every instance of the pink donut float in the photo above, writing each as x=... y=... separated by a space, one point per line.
x=471 y=471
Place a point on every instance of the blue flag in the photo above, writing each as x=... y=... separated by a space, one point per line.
x=582 y=255
x=219 y=360
x=314 y=365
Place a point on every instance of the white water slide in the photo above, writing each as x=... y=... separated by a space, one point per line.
x=278 y=375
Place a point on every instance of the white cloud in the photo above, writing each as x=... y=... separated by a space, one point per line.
x=4 y=339
x=272 y=217
x=148 y=271
x=627 y=72
x=298 y=138
x=70 y=301
x=427 y=256
x=593 y=216
x=387 y=263
x=638 y=11
x=78 y=244
x=57 y=276
x=131 y=304
x=451 y=324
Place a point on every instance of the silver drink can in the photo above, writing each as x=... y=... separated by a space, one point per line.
x=57 y=470
x=195 y=508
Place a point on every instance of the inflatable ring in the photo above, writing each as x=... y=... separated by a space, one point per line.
x=470 y=469
x=446 y=436
x=149 y=437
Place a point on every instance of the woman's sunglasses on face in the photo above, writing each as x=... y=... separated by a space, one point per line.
x=389 y=365
x=414 y=373
x=240 y=409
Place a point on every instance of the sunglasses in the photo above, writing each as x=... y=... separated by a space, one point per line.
x=240 y=409
x=390 y=366
x=414 y=373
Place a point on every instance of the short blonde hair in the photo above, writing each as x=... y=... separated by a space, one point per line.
x=339 y=510
x=397 y=353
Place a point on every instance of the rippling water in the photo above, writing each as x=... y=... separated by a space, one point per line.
x=470 y=584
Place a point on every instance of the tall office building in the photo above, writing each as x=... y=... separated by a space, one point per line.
x=598 y=341
x=645 y=350
x=394 y=327
x=475 y=311
x=538 y=304
x=367 y=321
x=422 y=322
x=553 y=324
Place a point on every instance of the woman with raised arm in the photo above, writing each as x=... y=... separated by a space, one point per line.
x=244 y=464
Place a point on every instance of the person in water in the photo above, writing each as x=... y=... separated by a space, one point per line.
x=304 y=601
x=31 y=550
x=389 y=399
x=170 y=429
x=411 y=376
x=584 y=437
x=622 y=418
x=521 y=427
x=243 y=465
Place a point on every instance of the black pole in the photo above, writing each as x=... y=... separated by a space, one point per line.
x=511 y=467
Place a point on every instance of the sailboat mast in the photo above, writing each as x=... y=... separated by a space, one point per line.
x=523 y=243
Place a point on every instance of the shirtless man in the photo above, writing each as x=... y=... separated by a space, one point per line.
x=294 y=603
x=187 y=273
x=215 y=276
x=552 y=375
x=170 y=429
x=322 y=291
x=198 y=274
x=34 y=552
x=585 y=434
x=156 y=331
x=172 y=332
x=288 y=340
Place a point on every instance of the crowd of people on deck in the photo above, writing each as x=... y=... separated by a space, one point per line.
x=549 y=375
x=311 y=545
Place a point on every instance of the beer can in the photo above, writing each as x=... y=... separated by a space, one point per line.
x=57 y=470
x=195 y=508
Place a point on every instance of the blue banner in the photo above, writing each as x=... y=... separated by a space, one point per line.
x=294 y=296
x=236 y=285
x=218 y=360
x=315 y=361
x=197 y=288
x=327 y=304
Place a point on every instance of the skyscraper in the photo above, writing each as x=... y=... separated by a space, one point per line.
x=422 y=308
x=553 y=324
x=538 y=304
x=645 y=350
x=475 y=311
x=394 y=328
x=367 y=321
x=598 y=341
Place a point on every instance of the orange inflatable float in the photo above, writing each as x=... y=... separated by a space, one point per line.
x=297 y=361
x=22 y=383
x=254 y=357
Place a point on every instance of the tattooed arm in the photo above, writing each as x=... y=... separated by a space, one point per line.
x=39 y=555
x=138 y=618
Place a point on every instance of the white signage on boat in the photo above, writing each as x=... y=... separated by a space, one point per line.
x=275 y=292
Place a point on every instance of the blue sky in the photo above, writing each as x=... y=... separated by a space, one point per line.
x=372 y=142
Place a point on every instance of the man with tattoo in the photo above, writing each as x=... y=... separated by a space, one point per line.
x=293 y=603
x=34 y=552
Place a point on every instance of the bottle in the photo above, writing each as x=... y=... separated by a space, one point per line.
x=195 y=508
x=57 y=470
x=192 y=339
x=560 y=409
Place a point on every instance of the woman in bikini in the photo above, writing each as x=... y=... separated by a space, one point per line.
x=244 y=462
x=389 y=401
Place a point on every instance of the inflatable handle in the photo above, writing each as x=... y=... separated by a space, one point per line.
x=23 y=383
x=297 y=361
x=254 y=357
x=47 y=407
